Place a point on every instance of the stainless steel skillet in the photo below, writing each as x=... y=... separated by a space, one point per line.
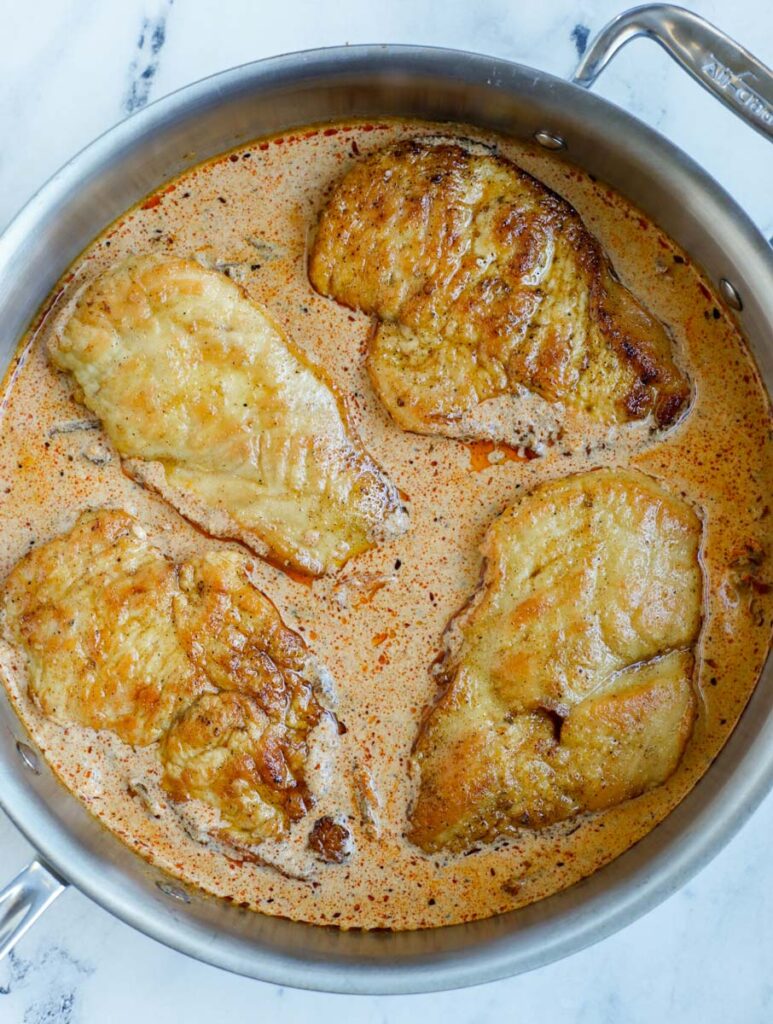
x=375 y=81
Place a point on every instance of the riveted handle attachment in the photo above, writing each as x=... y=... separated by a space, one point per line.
x=722 y=66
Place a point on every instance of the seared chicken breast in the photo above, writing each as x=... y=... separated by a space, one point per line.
x=210 y=404
x=483 y=281
x=569 y=675
x=243 y=750
x=118 y=637
x=92 y=612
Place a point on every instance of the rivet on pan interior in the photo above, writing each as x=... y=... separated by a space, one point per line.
x=550 y=140
x=729 y=294
x=29 y=757
x=174 y=892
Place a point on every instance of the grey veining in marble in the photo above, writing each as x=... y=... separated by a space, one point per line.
x=70 y=69
x=146 y=60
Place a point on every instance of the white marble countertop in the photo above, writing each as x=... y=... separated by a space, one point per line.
x=72 y=68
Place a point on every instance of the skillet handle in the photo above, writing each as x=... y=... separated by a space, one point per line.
x=731 y=73
x=24 y=899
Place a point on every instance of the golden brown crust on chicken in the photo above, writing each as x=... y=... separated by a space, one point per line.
x=482 y=280
x=231 y=630
x=243 y=751
x=118 y=637
x=225 y=750
x=569 y=675
x=92 y=611
x=330 y=840
x=210 y=404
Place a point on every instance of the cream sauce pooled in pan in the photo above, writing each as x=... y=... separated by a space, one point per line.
x=377 y=624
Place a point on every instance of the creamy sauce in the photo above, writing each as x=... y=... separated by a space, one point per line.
x=378 y=624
